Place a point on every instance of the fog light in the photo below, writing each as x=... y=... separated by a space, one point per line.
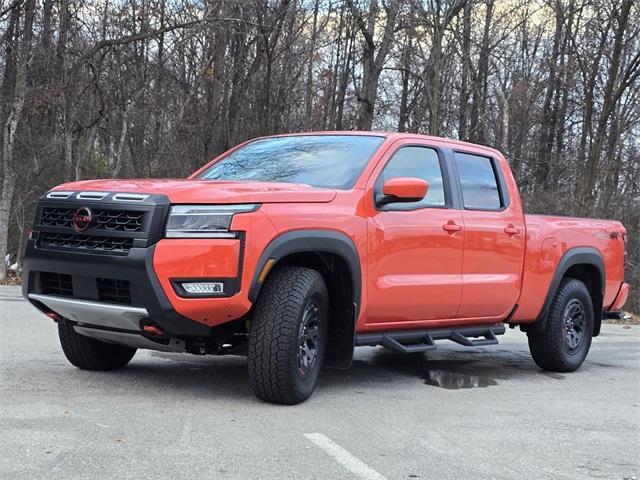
x=203 y=288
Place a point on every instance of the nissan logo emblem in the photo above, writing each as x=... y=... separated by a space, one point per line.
x=81 y=219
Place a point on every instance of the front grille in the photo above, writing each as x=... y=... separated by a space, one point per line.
x=114 y=291
x=56 y=284
x=118 y=220
x=57 y=217
x=102 y=219
x=92 y=243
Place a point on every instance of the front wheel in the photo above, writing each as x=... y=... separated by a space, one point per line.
x=288 y=334
x=565 y=341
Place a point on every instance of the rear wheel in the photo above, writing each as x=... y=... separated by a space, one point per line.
x=565 y=342
x=91 y=354
x=288 y=334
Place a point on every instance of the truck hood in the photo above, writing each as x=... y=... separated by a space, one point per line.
x=210 y=191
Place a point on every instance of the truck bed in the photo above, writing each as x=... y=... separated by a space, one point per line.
x=548 y=238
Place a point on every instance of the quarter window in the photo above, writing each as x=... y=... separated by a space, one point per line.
x=478 y=181
x=418 y=162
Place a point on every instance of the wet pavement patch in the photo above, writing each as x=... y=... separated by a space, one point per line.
x=452 y=370
x=456 y=380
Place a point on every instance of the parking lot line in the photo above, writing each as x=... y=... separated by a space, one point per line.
x=344 y=458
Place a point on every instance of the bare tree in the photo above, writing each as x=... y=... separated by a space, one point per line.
x=16 y=100
x=373 y=54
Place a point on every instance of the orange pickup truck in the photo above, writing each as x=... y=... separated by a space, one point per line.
x=294 y=249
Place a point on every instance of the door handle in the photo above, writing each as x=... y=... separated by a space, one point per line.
x=451 y=227
x=511 y=230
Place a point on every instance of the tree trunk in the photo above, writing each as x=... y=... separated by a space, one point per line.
x=432 y=84
x=549 y=119
x=477 y=133
x=308 y=102
x=9 y=132
x=405 y=73
x=504 y=122
x=344 y=81
x=463 y=109
x=373 y=56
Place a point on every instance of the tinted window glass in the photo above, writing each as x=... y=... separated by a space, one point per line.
x=418 y=162
x=478 y=181
x=334 y=161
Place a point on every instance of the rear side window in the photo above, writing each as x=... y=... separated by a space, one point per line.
x=478 y=181
x=418 y=162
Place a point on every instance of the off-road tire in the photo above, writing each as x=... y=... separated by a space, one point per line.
x=91 y=354
x=549 y=349
x=274 y=339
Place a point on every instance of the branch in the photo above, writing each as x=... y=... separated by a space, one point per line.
x=15 y=4
x=114 y=42
x=392 y=14
x=361 y=25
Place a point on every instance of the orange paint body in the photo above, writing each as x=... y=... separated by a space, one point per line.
x=428 y=267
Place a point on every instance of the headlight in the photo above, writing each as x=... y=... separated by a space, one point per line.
x=203 y=221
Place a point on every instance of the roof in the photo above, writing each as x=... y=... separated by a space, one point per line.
x=391 y=135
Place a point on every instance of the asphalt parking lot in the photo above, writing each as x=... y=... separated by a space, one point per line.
x=452 y=414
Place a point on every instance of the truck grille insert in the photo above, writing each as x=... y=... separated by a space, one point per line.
x=114 y=291
x=56 y=284
x=102 y=219
x=92 y=243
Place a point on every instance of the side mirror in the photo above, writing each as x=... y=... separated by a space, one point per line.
x=402 y=189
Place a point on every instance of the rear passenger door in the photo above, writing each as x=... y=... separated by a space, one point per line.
x=493 y=238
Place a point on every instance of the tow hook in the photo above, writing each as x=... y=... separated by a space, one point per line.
x=197 y=348
x=154 y=330
x=56 y=317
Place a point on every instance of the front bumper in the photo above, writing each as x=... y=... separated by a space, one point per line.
x=122 y=258
x=84 y=269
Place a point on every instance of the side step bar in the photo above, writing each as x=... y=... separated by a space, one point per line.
x=414 y=341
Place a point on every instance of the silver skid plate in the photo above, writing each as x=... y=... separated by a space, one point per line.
x=94 y=313
x=92 y=316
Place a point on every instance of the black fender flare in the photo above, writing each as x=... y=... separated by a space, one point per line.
x=573 y=256
x=299 y=241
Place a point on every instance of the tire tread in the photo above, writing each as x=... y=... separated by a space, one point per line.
x=546 y=347
x=274 y=333
x=90 y=354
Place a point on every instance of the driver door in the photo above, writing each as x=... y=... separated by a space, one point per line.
x=414 y=249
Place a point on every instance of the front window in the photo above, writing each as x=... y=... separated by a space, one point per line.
x=418 y=162
x=332 y=161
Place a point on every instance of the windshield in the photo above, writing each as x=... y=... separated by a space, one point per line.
x=333 y=161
